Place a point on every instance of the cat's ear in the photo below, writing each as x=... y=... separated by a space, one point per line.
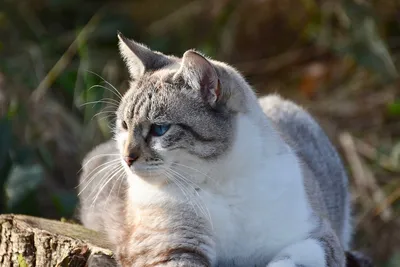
x=139 y=58
x=201 y=75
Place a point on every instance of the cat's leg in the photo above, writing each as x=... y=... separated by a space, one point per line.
x=176 y=257
x=181 y=239
x=321 y=249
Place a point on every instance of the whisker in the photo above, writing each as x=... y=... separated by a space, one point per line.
x=106 y=118
x=181 y=187
x=112 y=129
x=112 y=100
x=119 y=187
x=99 y=101
x=106 y=88
x=102 y=182
x=105 y=184
x=199 y=202
x=112 y=86
x=184 y=178
x=119 y=177
x=203 y=208
x=108 y=165
x=103 y=179
x=92 y=177
x=105 y=112
x=105 y=163
x=96 y=156
x=112 y=114
x=191 y=168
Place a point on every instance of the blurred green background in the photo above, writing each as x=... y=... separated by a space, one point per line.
x=58 y=58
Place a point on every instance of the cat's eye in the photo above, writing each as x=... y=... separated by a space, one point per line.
x=159 y=129
x=124 y=125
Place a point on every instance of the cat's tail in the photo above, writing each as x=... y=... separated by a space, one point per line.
x=357 y=259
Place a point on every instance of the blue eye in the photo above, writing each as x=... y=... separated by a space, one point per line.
x=159 y=129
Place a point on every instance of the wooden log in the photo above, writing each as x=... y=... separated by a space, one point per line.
x=30 y=241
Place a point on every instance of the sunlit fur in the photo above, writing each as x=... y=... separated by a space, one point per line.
x=236 y=190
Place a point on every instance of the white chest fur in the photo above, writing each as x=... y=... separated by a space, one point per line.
x=260 y=205
x=256 y=202
x=262 y=213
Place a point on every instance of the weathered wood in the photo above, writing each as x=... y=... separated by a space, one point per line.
x=31 y=241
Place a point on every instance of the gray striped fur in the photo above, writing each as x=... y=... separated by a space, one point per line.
x=169 y=89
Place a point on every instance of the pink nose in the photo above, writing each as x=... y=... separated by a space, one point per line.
x=130 y=159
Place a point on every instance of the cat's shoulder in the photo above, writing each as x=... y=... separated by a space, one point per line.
x=101 y=153
x=299 y=128
x=296 y=125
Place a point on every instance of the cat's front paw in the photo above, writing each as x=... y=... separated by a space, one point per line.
x=184 y=263
x=174 y=257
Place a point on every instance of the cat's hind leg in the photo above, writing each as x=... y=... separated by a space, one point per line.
x=321 y=249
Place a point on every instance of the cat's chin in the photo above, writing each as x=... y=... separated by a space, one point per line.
x=152 y=174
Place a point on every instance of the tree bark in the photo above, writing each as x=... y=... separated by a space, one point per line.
x=29 y=241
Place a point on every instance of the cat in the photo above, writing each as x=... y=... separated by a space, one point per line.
x=201 y=172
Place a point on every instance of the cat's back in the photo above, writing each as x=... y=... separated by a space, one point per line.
x=325 y=179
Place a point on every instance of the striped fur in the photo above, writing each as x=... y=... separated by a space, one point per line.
x=234 y=181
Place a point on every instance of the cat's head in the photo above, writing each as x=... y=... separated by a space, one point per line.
x=178 y=112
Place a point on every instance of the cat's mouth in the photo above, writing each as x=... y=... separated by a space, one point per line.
x=146 y=169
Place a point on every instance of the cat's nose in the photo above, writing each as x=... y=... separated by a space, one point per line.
x=131 y=158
